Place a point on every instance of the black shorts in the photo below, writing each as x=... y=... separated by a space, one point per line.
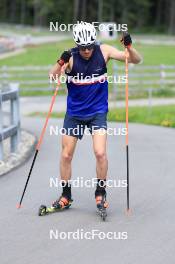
x=75 y=126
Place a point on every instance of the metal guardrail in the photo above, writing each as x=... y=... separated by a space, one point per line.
x=13 y=130
x=141 y=77
x=144 y=76
x=30 y=78
x=145 y=80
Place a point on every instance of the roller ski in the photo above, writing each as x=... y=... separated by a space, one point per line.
x=102 y=206
x=59 y=205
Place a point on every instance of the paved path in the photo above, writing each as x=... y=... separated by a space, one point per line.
x=12 y=53
x=154 y=39
x=20 y=40
x=34 y=104
x=150 y=228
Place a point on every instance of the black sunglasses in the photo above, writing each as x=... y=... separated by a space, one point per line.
x=89 y=47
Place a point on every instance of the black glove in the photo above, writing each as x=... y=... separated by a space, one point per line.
x=64 y=57
x=126 y=39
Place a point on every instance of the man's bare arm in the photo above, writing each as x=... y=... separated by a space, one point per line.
x=134 y=56
x=55 y=71
x=114 y=53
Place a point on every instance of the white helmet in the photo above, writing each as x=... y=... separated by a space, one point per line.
x=84 y=34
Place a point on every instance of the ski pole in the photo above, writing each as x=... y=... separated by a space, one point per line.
x=127 y=140
x=39 y=143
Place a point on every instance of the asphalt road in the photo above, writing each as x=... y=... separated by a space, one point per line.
x=37 y=103
x=25 y=237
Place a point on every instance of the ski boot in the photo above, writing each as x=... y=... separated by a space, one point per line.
x=102 y=205
x=58 y=205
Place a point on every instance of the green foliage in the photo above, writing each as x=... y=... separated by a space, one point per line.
x=48 y=53
x=157 y=115
x=138 y=14
x=38 y=55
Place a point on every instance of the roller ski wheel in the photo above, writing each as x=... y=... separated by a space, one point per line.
x=59 y=205
x=102 y=206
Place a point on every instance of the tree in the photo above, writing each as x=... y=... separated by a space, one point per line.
x=76 y=10
x=171 y=28
x=83 y=10
x=23 y=11
x=100 y=10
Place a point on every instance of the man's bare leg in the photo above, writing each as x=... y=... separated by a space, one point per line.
x=68 y=147
x=99 y=146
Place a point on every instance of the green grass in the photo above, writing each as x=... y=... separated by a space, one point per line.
x=47 y=54
x=157 y=115
x=156 y=54
x=38 y=55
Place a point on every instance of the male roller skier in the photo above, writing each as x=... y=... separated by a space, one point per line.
x=87 y=102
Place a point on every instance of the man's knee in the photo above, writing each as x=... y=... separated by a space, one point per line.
x=100 y=155
x=66 y=155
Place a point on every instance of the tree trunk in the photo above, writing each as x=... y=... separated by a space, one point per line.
x=158 y=13
x=4 y=11
x=76 y=9
x=171 y=29
x=100 y=11
x=23 y=11
x=13 y=11
x=112 y=11
x=83 y=16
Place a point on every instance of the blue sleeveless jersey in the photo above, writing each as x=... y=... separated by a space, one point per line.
x=87 y=85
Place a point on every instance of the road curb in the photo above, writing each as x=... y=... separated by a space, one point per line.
x=25 y=150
